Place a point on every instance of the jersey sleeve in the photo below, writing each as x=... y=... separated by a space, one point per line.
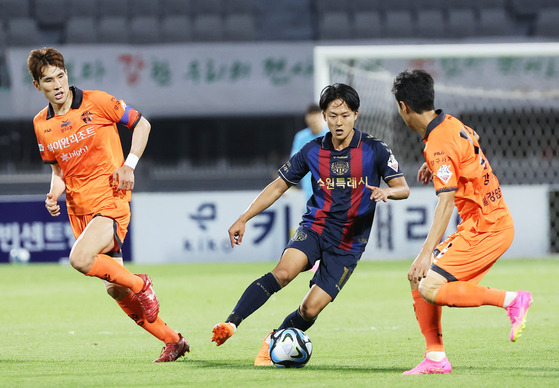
x=296 y=167
x=388 y=166
x=117 y=110
x=47 y=154
x=442 y=160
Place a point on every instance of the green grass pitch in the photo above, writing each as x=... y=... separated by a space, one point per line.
x=60 y=329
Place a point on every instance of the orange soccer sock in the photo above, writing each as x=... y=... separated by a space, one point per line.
x=429 y=319
x=106 y=268
x=159 y=329
x=466 y=294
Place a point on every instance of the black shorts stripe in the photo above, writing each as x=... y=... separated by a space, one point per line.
x=442 y=272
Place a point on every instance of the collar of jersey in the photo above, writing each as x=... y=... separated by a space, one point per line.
x=435 y=122
x=355 y=142
x=77 y=98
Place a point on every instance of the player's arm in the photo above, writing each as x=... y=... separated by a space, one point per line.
x=424 y=175
x=264 y=200
x=397 y=189
x=124 y=175
x=57 y=187
x=441 y=218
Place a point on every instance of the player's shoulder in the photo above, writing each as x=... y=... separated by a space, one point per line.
x=315 y=142
x=41 y=116
x=374 y=142
x=97 y=95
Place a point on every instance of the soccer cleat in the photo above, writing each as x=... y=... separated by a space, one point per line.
x=222 y=332
x=517 y=311
x=148 y=299
x=173 y=350
x=263 y=356
x=428 y=366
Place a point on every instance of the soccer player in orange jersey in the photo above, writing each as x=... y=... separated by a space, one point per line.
x=77 y=135
x=447 y=273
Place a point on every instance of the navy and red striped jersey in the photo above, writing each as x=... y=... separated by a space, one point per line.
x=340 y=209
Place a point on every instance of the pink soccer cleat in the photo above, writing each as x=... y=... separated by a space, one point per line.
x=428 y=366
x=517 y=311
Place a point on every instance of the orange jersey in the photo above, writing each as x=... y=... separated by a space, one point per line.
x=86 y=145
x=458 y=164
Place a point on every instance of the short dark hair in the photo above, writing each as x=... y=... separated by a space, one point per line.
x=313 y=108
x=41 y=58
x=416 y=88
x=339 y=91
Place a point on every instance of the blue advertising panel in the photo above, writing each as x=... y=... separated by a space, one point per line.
x=26 y=226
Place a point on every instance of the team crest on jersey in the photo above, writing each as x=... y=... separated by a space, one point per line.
x=393 y=163
x=339 y=167
x=87 y=117
x=444 y=173
x=299 y=236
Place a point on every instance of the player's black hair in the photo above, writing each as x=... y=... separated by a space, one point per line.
x=416 y=89
x=339 y=91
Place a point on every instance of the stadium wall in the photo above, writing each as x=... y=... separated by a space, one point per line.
x=192 y=227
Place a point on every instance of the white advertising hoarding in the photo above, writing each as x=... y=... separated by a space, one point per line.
x=178 y=80
x=192 y=227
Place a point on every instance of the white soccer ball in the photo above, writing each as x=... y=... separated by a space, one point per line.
x=290 y=348
x=19 y=256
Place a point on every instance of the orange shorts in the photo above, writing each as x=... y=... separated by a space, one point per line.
x=119 y=211
x=468 y=255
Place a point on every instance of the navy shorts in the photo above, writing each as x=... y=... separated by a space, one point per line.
x=336 y=265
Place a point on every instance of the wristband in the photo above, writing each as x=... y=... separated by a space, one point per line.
x=131 y=161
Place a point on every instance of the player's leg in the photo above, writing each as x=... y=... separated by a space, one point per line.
x=429 y=320
x=292 y=262
x=333 y=273
x=302 y=318
x=452 y=280
x=175 y=344
x=89 y=256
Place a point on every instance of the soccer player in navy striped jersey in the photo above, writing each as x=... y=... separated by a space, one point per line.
x=346 y=166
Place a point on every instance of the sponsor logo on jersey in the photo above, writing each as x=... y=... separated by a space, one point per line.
x=65 y=156
x=444 y=173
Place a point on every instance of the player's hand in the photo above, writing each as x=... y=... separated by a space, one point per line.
x=123 y=178
x=419 y=268
x=236 y=233
x=52 y=205
x=378 y=194
x=424 y=175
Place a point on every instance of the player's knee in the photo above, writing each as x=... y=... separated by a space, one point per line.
x=308 y=313
x=80 y=261
x=428 y=290
x=282 y=276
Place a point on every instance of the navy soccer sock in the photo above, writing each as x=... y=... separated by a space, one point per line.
x=254 y=297
x=296 y=320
